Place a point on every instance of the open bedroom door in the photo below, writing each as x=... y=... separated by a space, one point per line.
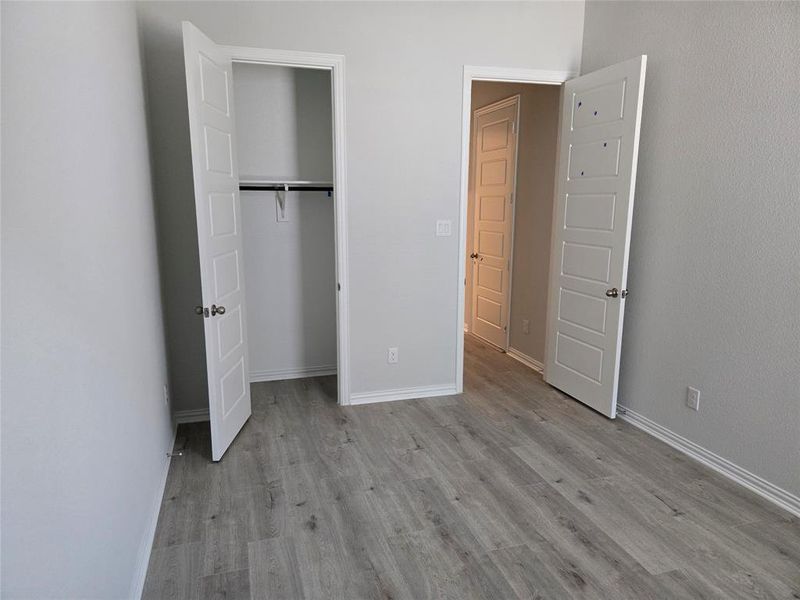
x=599 y=145
x=209 y=90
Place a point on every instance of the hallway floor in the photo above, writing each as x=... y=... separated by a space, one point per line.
x=510 y=490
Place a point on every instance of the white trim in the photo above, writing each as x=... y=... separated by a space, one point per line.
x=515 y=100
x=335 y=64
x=498 y=105
x=514 y=75
x=525 y=359
x=786 y=500
x=484 y=341
x=473 y=73
x=194 y=415
x=297 y=373
x=403 y=394
x=146 y=545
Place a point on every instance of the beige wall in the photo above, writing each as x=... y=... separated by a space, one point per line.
x=536 y=163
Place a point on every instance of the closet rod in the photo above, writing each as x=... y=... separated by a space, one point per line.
x=278 y=187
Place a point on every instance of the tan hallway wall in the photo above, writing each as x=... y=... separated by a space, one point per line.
x=534 y=211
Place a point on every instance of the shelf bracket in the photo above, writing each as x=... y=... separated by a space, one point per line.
x=280 y=203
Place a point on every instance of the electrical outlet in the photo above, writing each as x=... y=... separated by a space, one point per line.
x=444 y=228
x=166 y=395
x=693 y=398
x=392 y=356
x=526 y=326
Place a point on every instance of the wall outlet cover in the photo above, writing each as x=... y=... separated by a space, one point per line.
x=693 y=398
x=392 y=356
x=526 y=326
x=444 y=228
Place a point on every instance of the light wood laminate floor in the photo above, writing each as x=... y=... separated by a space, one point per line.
x=511 y=490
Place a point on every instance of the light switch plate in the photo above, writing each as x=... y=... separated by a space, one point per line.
x=444 y=228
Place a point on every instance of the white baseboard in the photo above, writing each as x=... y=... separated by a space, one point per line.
x=525 y=359
x=146 y=545
x=194 y=415
x=402 y=394
x=279 y=374
x=786 y=500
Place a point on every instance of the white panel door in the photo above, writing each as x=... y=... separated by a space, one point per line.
x=599 y=145
x=495 y=135
x=209 y=89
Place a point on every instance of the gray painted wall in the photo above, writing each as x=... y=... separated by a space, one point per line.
x=533 y=219
x=715 y=249
x=283 y=127
x=403 y=85
x=85 y=427
x=283 y=122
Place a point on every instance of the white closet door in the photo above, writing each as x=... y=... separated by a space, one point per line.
x=209 y=89
x=599 y=146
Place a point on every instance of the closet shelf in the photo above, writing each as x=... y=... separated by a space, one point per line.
x=248 y=185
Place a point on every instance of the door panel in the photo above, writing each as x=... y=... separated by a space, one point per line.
x=495 y=135
x=601 y=115
x=209 y=92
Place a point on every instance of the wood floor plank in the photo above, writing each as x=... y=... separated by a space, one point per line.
x=274 y=572
x=530 y=576
x=632 y=518
x=233 y=585
x=509 y=490
x=174 y=572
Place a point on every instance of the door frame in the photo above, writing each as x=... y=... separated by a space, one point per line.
x=335 y=64
x=475 y=73
x=478 y=112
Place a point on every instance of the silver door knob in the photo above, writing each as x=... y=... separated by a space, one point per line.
x=612 y=293
x=217 y=310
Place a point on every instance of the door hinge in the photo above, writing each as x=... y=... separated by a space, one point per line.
x=338 y=287
x=514 y=127
x=511 y=198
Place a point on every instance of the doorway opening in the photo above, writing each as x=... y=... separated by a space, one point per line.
x=267 y=136
x=512 y=171
x=596 y=122
x=284 y=148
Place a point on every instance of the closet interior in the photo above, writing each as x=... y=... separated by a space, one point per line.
x=284 y=143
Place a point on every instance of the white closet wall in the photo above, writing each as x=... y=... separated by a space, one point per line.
x=283 y=127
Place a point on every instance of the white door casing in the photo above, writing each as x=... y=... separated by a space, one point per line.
x=495 y=131
x=209 y=90
x=599 y=142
